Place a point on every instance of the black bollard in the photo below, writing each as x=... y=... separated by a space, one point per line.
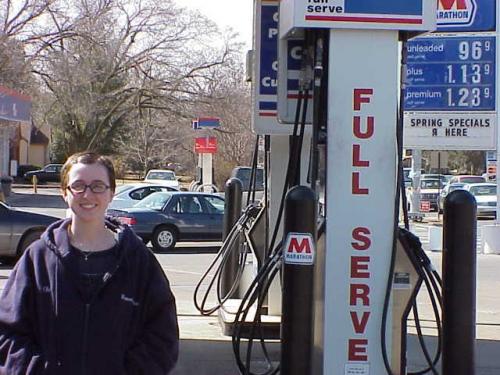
x=298 y=266
x=459 y=283
x=232 y=211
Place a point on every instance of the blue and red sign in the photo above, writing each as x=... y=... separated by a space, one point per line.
x=14 y=106
x=205 y=122
x=465 y=15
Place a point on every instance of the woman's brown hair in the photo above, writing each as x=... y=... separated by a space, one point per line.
x=88 y=157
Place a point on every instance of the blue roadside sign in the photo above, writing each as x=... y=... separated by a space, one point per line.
x=207 y=122
x=451 y=73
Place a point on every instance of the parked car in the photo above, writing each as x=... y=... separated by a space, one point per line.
x=22 y=169
x=486 y=198
x=18 y=229
x=244 y=174
x=128 y=195
x=467 y=179
x=167 y=217
x=448 y=188
x=51 y=172
x=441 y=177
x=164 y=177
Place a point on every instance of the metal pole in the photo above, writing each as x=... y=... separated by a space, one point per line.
x=297 y=302
x=232 y=211
x=459 y=283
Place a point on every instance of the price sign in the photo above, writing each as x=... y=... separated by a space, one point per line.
x=451 y=73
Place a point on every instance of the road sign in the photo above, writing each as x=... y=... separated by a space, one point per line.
x=465 y=15
x=451 y=73
x=205 y=145
x=208 y=122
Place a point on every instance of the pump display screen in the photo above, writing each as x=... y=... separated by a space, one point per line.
x=451 y=73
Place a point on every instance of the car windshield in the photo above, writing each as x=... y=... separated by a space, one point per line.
x=430 y=184
x=161 y=175
x=483 y=190
x=155 y=201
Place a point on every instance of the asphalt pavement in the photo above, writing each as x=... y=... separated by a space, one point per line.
x=206 y=351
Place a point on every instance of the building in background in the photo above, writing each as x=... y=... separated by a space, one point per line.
x=20 y=141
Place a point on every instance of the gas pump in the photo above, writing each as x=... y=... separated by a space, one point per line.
x=339 y=151
x=361 y=190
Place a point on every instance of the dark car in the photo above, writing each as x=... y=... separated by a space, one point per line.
x=51 y=172
x=18 y=229
x=167 y=217
x=245 y=174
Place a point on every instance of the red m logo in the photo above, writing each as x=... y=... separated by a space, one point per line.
x=295 y=246
x=452 y=4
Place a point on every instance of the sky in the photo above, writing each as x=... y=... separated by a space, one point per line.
x=237 y=14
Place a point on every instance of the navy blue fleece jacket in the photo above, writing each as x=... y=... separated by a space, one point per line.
x=46 y=327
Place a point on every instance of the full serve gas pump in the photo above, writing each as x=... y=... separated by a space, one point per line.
x=360 y=67
x=339 y=275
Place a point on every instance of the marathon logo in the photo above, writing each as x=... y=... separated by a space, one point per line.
x=299 y=249
x=455 y=13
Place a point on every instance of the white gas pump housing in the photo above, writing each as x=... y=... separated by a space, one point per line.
x=361 y=169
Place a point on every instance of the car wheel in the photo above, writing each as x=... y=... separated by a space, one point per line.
x=164 y=238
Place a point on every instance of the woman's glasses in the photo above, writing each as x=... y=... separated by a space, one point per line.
x=97 y=187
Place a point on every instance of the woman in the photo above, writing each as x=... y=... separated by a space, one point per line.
x=88 y=297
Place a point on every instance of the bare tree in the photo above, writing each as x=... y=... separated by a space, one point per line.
x=126 y=77
x=123 y=57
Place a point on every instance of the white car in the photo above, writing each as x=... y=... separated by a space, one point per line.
x=128 y=195
x=164 y=177
x=486 y=198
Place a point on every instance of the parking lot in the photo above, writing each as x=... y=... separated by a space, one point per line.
x=198 y=331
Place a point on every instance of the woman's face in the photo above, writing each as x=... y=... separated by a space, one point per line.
x=88 y=206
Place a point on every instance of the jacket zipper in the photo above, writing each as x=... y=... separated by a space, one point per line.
x=85 y=338
x=108 y=277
